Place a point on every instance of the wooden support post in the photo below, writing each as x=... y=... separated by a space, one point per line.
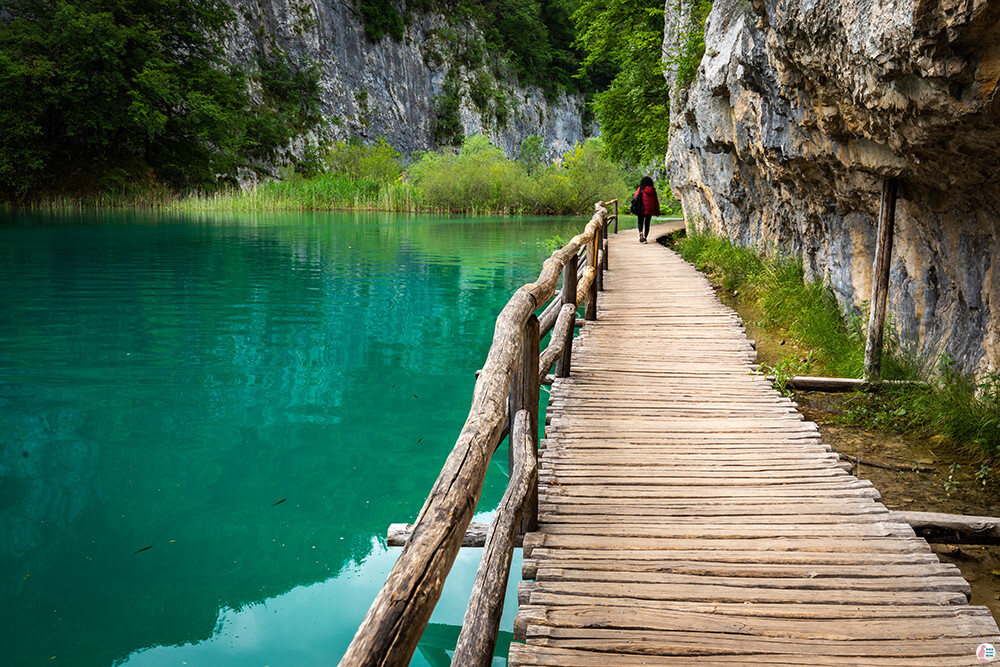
x=524 y=396
x=604 y=248
x=568 y=296
x=599 y=265
x=590 y=304
x=616 y=216
x=880 y=281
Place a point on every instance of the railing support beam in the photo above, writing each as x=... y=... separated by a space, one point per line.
x=590 y=303
x=524 y=396
x=568 y=296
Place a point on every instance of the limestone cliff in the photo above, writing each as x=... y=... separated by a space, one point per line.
x=801 y=107
x=387 y=88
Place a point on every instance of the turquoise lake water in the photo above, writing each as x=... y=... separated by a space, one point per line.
x=208 y=422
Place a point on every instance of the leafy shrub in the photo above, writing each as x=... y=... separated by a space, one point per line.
x=592 y=175
x=378 y=162
x=477 y=178
x=692 y=49
x=481 y=178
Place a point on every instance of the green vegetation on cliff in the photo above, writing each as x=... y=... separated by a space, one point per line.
x=98 y=91
x=536 y=37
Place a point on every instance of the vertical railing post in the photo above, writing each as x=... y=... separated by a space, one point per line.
x=880 y=281
x=604 y=247
x=590 y=306
x=568 y=296
x=616 y=216
x=524 y=396
x=599 y=262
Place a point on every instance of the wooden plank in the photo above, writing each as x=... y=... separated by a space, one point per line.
x=709 y=567
x=522 y=655
x=953 y=528
x=587 y=573
x=570 y=621
x=741 y=594
x=720 y=546
x=719 y=644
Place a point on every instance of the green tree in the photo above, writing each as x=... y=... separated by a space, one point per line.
x=96 y=86
x=532 y=152
x=625 y=39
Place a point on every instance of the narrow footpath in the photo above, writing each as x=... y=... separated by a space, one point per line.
x=689 y=515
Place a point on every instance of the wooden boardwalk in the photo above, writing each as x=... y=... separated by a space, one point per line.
x=689 y=515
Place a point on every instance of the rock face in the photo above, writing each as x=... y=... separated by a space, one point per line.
x=388 y=88
x=801 y=108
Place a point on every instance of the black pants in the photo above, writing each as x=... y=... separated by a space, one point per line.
x=644 y=224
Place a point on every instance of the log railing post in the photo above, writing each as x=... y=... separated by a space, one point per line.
x=604 y=248
x=616 y=216
x=524 y=396
x=599 y=265
x=880 y=281
x=568 y=296
x=590 y=304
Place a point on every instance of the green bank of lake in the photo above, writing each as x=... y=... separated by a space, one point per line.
x=208 y=422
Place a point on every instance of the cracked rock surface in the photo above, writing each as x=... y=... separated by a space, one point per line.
x=801 y=108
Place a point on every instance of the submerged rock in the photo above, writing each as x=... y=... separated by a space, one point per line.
x=801 y=108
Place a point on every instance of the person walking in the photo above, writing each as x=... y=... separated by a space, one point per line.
x=650 y=205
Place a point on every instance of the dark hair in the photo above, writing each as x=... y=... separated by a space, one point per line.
x=646 y=182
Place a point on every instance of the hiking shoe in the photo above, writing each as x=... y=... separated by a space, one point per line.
x=642 y=239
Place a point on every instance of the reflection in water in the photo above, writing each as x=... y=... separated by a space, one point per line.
x=309 y=625
x=204 y=414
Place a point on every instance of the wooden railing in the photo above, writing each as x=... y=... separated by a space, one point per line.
x=505 y=401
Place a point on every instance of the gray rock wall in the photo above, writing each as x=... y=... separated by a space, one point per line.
x=387 y=88
x=801 y=107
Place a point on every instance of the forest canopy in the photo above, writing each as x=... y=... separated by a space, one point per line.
x=101 y=86
x=100 y=93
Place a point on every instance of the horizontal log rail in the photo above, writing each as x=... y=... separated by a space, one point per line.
x=391 y=629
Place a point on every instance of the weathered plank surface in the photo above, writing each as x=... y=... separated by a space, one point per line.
x=689 y=515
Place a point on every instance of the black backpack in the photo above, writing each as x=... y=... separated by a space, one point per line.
x=636 y=205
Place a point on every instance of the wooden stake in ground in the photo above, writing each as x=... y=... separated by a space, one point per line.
x=880 y=281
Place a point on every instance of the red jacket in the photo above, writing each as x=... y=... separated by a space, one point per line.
x=650 y=202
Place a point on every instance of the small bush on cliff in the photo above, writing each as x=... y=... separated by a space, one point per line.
x=378 y=162
x=380 y=17
x=692 y=49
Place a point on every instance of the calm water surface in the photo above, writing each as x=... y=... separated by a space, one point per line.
x=207 y=423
